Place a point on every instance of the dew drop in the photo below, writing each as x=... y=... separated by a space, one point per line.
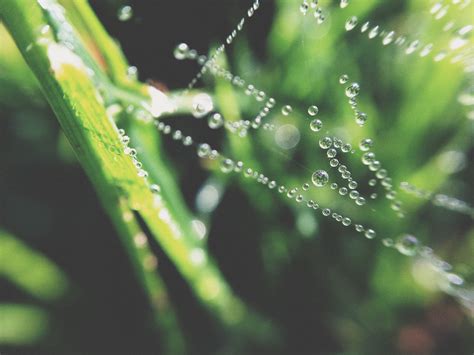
x=304 y=8
x=351 y=23
x=203 y=150
x=374 y=32
x=227 y=166
x=331 y=153
x=215 y=121
x=316 y=125
x=352 y=90
x=313 y=110
x=325 y=143
x=320 y=178
x=361 y=118
x=344 y=78
x=407 y=245
x=202 y=104
x=181 y=51
x=369 y=234
x=125 y=13
x=388 y=38
x=366 y=144
x=344 y=3
x=368 y=158
x=286 y=110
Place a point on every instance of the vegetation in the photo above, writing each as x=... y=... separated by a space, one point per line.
x=191 y=259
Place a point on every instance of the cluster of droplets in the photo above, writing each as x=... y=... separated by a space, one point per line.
x=369 y=159
x=221 y=48
x=440 y=200
x=332 y=146
x=411 y=46
x=352 y=91
x=318 y=12
x=182 y=51
x=405 y=244
x=316 y=124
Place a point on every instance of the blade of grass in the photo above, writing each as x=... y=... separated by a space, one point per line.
x=74 y=97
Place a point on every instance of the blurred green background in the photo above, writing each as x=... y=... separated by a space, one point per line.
x=66 y=284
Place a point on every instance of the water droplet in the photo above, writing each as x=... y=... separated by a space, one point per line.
x=125 y=13
x=325 y=143
x=346 y=222
x=354 y=194
x=304 y=8
x=407 y=245
x=366 y=144
x=215 y=121
x=331 y=153
x=344 y=3
x=388 y=242
x=346 y=148
x=361 y=118
x=343 y=191
x=344 y=78
x=359 y=228
x=334 y=163
x=360 y=201
x=154 y=188
x=388 y=38
x=203 y=150
x=286 y=110
x=369 y=234
x=351 y=23
x=227 y=166
x=202 y=104
x=181 y=51
x=320 y=178
x=374 y=32
x=352 y=90
x=368 y=158
x=316 y=125
x=326 y=212
x=365 y=27
x=313 y=110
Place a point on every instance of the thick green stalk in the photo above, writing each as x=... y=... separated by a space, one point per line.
x=64 y=74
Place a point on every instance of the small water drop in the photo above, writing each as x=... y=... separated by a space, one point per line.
x=366 y=144
x=325 y=142
x=202 y=104
x=215 y=121
x=407 y=245
x=227 y=166
x=369 y=234
x=316 y=125
x=352 y=90
x=203 y=150
x=125 y=13
x=368 y=158
x=361 y=118
x=351 y=23
x=181 y=51
x=313 y=110
x=344 y=3
x=286 y=110
x=320 y=178
x=344 y=78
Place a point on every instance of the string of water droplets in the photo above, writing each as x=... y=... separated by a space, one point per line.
x=221 y=48
x=406 y=244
